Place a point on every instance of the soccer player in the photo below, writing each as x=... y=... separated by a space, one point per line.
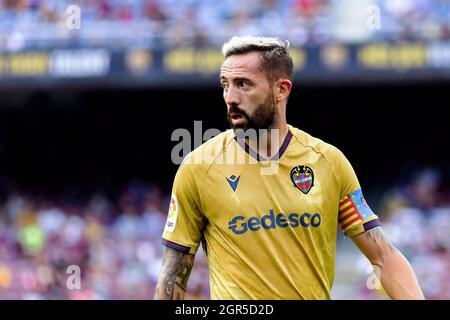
x=269 y=236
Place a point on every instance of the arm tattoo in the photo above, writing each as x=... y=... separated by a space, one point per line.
x=377 y=235
x=175 y=271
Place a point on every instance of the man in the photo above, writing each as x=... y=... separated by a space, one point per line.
x=269 y=236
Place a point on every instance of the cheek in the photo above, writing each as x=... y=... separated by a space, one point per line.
x=256 y=100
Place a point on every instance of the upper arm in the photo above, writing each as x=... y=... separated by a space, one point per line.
x=356 y=218
x=181 y=236
x=185 y=222
x=374 y=245
x=355 y=215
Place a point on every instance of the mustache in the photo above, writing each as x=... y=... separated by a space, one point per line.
x=235 y=109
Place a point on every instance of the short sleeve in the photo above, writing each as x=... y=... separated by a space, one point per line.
x=355 y=215
x=185 y=221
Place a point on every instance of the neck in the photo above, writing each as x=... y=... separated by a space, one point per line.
x=270 y=140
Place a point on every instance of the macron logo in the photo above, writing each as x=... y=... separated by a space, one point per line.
x=233 y=181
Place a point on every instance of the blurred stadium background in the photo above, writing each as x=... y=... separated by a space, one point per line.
x=86 y=116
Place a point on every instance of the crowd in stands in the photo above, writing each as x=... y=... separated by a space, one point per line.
x=116 y=242
x=416 y=219
x=156 y=23
x=116 y=247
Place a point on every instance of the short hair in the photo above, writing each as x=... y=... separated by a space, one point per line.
x=276 y=60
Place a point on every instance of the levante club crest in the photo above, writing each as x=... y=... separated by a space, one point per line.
x=303 y=178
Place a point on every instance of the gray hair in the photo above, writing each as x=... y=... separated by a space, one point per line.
x=275 y=57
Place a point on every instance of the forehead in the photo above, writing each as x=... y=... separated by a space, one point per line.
x=246 y=65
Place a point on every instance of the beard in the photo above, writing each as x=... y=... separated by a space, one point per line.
x=262 y=118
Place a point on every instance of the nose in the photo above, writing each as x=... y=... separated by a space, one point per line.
x=231 y=97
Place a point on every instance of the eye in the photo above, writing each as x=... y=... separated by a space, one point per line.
x=242 y=84
x=224 y=85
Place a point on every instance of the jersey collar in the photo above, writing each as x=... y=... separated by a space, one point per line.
x=257 y=156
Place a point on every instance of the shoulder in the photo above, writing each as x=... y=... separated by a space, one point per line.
x=217 y=143
x=206 y=153
x=201 y=158
x=342 y=171
x=327 y=150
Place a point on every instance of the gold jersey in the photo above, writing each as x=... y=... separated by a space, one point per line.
x=267 y=234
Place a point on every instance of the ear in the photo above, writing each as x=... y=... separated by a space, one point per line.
x=283 y=89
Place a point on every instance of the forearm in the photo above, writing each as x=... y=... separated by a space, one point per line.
x=398 y=278
x=175 y=271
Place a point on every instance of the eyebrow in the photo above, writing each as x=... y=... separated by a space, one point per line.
x=237 y=79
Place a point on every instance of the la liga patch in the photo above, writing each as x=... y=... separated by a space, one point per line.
x=172 y=215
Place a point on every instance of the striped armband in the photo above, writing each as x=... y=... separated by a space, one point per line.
x=354 y=211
